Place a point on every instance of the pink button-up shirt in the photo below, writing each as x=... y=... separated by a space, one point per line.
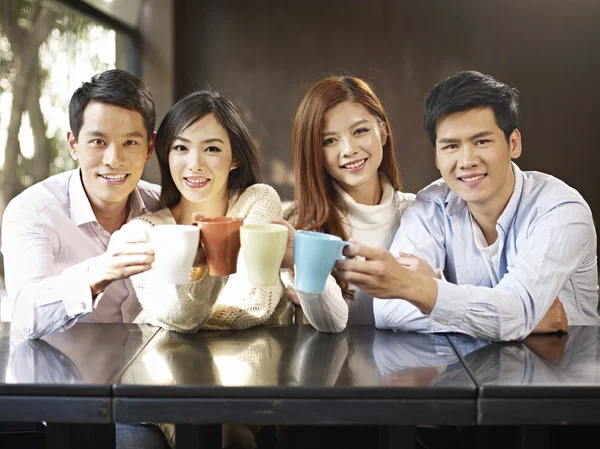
x=49 y=235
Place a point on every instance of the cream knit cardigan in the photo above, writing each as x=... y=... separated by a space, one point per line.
x=212 y=302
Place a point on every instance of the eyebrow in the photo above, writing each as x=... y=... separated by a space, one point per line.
x=473 y=137
x=356 y=123
x=98 y=133
x=210 y=140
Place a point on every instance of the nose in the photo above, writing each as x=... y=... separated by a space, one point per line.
x=196 y=160
x=468 y=157
x=347 y=148
x=113 y=156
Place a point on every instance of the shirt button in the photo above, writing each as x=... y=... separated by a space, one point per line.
x=82 y=304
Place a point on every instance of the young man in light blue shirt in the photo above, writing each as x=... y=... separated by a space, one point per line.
x=515 y=251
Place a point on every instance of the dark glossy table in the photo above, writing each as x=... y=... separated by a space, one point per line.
x=295 y=375
x=546 y=380
x=66 y=379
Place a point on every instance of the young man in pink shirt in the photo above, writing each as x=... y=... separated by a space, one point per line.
x=64 y=258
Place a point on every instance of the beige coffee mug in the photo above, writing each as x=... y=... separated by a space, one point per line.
x=263 y=247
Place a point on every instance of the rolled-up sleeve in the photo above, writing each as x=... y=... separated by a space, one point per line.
x=553 y=248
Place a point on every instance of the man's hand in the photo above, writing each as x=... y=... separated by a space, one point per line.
x=381 y=276
x=128 y=253
x=288 y=257
x=416 y=264
x=200 y=259
x=555 y=319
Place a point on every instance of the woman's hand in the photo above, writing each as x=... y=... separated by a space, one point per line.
x=419 y=265
x=288 y=257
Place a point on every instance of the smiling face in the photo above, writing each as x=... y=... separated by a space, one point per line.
x=474 y=157
x=112 y=148
x=353 y=142
x=200 y=159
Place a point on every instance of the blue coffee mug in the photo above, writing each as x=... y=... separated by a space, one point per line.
x=315 y=254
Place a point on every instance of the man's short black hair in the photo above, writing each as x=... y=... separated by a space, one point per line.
x=115 y=87
x=472 y=90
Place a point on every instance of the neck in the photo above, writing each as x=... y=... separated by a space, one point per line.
x=368 y=194
x=112 y=216
x=183 y=211
x=487 y=215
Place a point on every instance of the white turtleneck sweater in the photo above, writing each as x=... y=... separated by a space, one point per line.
x=370 y=225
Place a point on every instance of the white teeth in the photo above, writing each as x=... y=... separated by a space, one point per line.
x=196 y=181
x=114 y=178
x=473 y=178
x=356 y=164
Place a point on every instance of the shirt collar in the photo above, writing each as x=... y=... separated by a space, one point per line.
x=81 y=209
x=455 y=204
x=509 y=212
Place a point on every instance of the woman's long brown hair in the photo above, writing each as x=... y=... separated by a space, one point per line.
x=317 y=206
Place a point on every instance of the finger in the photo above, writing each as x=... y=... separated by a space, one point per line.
x=408 y=255
x=406 y=261
x=357 y=265
x=281 y=221
x=127 y=272
x=360 y=280
x=123 y=261
x=197 y=216
x=133 y=249
x=365 y=251
x=292 y=295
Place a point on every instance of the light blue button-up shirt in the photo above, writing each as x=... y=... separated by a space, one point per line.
x=547 y=249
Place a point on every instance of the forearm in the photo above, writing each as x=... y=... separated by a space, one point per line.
x=328 y=311
x=242 y=305
x=52 y=303
x=181 y=308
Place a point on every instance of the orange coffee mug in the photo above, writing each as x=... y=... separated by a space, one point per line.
x=220 y=238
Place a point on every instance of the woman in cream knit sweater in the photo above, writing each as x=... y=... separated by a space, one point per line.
x=347 y=184
x=208 y=167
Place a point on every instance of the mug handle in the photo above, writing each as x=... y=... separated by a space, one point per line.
x=344 y=244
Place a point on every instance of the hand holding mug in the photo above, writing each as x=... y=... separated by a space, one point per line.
x=128 y=254
x=288 y=257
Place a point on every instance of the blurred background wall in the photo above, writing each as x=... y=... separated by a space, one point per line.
x=265 y=54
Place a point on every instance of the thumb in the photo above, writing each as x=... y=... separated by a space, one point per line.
x=197 y=216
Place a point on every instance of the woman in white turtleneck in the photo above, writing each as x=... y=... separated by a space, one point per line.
x=347 y=184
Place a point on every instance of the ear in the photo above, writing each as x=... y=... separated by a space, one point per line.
x=515 y=144
x=72 y=145
x=235 y=164
x=384 y=133
x=151 y=146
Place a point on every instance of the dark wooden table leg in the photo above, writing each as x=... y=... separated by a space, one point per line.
x=393 y=437
x=88 y=436
x=196 y=436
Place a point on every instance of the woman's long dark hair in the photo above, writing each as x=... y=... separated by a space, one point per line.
x=188 y=111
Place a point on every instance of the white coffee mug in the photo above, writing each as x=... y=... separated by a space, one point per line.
x=175 y=248
x=263 y=247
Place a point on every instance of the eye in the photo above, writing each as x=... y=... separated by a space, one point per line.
x=329 y=141
x=97 y=142
x=213 y=150
x=360 y=131
x=130 y=143
x=452 y=146
x=482 y=141
x=179 y=148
